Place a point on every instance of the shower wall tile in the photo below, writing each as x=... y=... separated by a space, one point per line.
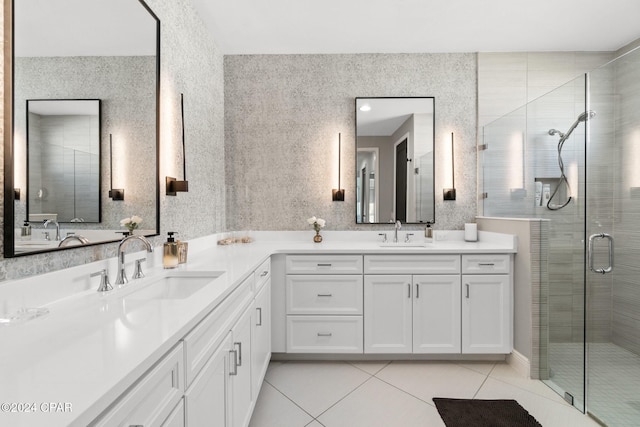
x=283 y=114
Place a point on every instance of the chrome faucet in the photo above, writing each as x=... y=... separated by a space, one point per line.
x=398 y=227
x=81 y=239
x=49 y=221
x=121 y=279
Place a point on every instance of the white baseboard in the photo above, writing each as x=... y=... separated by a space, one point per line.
x=520 y=363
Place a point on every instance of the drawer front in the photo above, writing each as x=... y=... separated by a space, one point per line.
x=329 y=294
x=412 y=264
x=324 y=334
x=324 y=264
x=152 y=400
x=262 y=274
x=201 y=342
x=486 y=264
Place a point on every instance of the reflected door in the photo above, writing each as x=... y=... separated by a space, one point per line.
x=401 y=181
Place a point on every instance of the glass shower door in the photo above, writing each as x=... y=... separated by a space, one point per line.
x=613 y=268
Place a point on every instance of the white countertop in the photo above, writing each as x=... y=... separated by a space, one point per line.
x=90 y=348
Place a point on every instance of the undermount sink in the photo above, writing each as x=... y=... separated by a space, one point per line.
x=403 y=245
x=176 y=285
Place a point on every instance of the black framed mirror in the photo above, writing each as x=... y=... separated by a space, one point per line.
x=107 y=50
x=395 y=160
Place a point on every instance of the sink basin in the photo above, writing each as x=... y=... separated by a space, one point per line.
x=403 y=245
x=176 y=285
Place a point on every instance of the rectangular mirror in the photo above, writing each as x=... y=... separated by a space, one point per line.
x=395 y=160
x=67 y=52
x=63 y=160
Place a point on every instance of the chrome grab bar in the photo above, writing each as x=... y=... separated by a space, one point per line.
x=590 y=255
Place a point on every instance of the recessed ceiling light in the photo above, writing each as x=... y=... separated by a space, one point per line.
x=365 y=107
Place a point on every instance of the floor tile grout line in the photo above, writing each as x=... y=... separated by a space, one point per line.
x=405 y=392
x=562 y=403
x=288 y=398
x=343 y=397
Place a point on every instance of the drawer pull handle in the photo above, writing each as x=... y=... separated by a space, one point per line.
x=234 y=362
x=239 y=352
x=408 y=290
x=486 y=264
x=417 y=290
x=324 y=265
x=324 y=334
x=467 y=290
x=259 y=310
x=325 y=295
x=264 y=273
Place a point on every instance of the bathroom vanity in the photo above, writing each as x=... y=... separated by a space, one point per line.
x=192 y=344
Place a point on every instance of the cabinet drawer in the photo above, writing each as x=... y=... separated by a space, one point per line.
x=486 y=264
x=324 y=264
x=324 y=334
x=311 y=294
x=262 y=274
x=412 y=264
x=201 y=342
x=153 y=398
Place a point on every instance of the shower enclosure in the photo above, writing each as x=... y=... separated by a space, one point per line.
x=571 y=159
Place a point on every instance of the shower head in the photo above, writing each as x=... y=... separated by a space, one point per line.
x=586 y=116
x=555 y=132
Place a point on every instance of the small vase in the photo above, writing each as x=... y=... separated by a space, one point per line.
x=317 y=238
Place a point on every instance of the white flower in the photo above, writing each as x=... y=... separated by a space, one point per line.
x=124 y=221
x=136 y=219
x=131 y=223
x=321 y=222
x=311 y=220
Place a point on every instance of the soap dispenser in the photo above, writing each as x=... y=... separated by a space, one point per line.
x=25 y=231
x=170 y=252
x=428 y=233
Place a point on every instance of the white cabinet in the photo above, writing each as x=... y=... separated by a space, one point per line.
x=261 y=337
x=324 y=300
x=152 y=400
x=412 y=313
x=176 y=418
x=487 y=303
x=486 y=314
x=242 y=399
x=228 y=354
x=206 y=399
x=436 y=314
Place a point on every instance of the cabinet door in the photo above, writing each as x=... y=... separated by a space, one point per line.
x=176 y=418
x=436 y=314
x=387 y=314
x=261 y=336
x=241 y=393
x=486 y=314
x=206 y=399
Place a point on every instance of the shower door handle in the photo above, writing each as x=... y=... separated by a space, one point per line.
x=590 y=254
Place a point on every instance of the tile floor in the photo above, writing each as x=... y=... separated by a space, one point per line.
x=613 y=376
x=399 y=393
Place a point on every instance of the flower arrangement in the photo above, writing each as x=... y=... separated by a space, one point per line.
x=131 y=223
x=317 y=223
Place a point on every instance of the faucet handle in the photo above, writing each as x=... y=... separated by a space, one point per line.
x=46 y=235
x=407 y=238
x=105 y=286
x=137 y=272
x=384 y=237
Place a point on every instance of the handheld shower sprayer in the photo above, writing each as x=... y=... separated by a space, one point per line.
x=587 y=115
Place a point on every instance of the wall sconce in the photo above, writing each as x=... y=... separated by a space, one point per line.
x=114 y=193
x=173 y=185
x=16 y=194
x=450 y=193
x=338 y=193
x=518 y=192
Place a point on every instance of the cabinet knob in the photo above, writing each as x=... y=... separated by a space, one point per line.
x=324 y=334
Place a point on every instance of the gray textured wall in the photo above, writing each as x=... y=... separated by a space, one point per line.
x=190 y=64
x=283 y=114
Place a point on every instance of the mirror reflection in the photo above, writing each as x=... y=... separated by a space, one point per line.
x=63 y=162
x=100 y=50
x=395 y=160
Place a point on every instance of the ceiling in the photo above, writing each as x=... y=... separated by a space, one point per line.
x=415 y=26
